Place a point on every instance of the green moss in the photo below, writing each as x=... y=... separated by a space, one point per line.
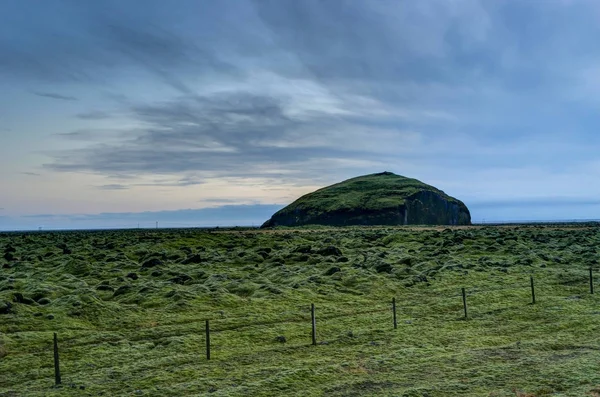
x=146 y=336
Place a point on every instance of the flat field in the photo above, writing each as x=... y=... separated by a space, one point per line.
x=129 y=308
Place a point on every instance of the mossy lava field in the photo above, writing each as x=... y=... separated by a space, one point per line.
x=129 y=309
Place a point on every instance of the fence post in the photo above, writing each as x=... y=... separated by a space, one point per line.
x=532 y=291
x=207 y=340
x=57 y=379
x=314 y=324
x=394 y=310
x=591 y=282
x=464 y=295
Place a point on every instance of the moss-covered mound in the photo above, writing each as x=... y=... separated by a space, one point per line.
x=376 y=199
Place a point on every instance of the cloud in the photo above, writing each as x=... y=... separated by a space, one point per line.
x=273 y=126
x=296 y=91
x=162 y=52
x=30 y=173
x=381 y=43
x=218 y=200
x=113 y=187
x=93 y=134
x=55 y=96
x=78 y=135
x=178 y=182
x=106 y=41
x=219 y=132
x=93 y=115
x=311 y=84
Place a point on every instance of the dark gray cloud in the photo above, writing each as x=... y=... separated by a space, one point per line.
x=185 y=181
x=114 y=186
x=335 y=40
x=377 y=43
x=378 y=46
x=78 y=135
x=55 y=96
x=127 y=177
x=218 y=200
x=93 y=115
x=163 y=53
x=92 y=134
x=87 y=42
x=190 y=181
x=235 y=134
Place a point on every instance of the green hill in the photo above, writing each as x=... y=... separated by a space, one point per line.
x=377 y=199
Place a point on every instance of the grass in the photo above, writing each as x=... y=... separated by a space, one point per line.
x=130 y=308
x=376 y=191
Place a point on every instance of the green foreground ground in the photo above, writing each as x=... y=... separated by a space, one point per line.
x=130 y=307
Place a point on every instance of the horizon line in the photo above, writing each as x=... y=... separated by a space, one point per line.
x=253 y=226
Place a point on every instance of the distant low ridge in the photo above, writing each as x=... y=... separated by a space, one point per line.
x=376 y=199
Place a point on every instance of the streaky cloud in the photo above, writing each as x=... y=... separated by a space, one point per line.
x=53 y=95
x=93 y=115
x=113 y=187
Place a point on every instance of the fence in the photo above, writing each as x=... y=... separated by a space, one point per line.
x=390 y=307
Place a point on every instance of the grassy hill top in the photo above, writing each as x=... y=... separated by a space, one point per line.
x=368 y=192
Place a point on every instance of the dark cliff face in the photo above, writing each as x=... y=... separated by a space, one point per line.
x=430 y=208
x=340 y=218
x=423 y=208
x=421 y=205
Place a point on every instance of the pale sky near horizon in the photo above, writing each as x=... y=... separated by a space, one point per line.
x=119 y=112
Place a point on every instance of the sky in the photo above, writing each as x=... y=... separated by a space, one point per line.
x=203 y=113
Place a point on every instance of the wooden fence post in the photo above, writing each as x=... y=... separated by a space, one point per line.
x=207 y=340
x=464 y=296
x=314 y=324
x=57 y=379
x=532 y=291
x=394 y=310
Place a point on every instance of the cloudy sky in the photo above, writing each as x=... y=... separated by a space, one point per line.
x=114 y=113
